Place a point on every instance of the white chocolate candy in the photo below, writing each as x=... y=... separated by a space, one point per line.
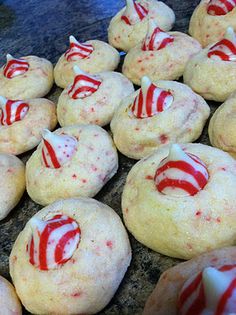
x=78 y=50
x=134 y=12
x=12 y=111
x=15 y=67
x=220 y=7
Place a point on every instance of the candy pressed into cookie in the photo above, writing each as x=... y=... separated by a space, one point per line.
x=92 y=99
x=27 y=77
x=9 y=302
x=70 y=258
x=129 y=26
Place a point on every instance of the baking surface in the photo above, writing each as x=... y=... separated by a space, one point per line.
x=42 y=28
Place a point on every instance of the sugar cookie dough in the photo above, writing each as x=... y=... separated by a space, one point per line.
x=129 y=26
x=27 y=77
x=9 y=302
x=74 y=161
x=82 y=265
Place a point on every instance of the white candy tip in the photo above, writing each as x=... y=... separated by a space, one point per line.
x=152 y=24
x=35 y=223
x=9 y=57
x=229 y=34
x=213 y=279
x=3 y=101
x=46 y=133
x=145 y=82
x=72 y=39
x=129 y=3
x=77 y=70
x=176 y=152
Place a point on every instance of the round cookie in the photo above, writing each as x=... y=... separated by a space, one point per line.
x=182 y=207
x=93 y=56
x=27 y=77
x=97 y=258
x=161 y=56
x=92 y=99
x=9 y=302
x=128 y=27
x=182 y=120
x=222 y=132
x=166 y=296
x=13 y=183
x=210 y=27
x=82 y=158
x=21 y=123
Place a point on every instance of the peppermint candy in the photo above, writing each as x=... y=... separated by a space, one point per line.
x=151 y=100
x=180 y=173
x=156 y=39
x=220 y=7
x=212 y=291
x=78 y=50
x=84 y=84
x=134 y=12
x=225 y=49
x=15 y=67
x=12 y=111
x=57 y=149
x=53 y=241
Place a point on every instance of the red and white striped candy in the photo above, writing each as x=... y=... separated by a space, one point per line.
x=78 y=50
x=180 y=173
x=84 y=84
x=12 y=111
x=225 y=49
x=134 y=12
x=57 y=149
x=53 y=241
x=151 y=100
x=15 y=67
x=220 y=7
x=212 y=292
x=156 y=39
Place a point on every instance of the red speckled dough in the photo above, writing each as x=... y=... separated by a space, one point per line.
x=9 y=302
x=163 y=299
x=88 y=281
x=36 y=82
x=186 y=226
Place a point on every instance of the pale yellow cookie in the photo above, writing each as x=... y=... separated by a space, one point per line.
x=9 y=302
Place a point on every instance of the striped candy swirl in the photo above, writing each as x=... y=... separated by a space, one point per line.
x=151 y=100
x=156 y=39
x=211 y=292
x=53 y=241
x=15 y=67
x=220 y=7
x=180 y=173
x=12 y=111
x=84 y=85
x=134 y=12
x=57 y=149
x=78 y=50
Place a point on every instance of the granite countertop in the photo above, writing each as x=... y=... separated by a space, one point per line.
x=42 y=28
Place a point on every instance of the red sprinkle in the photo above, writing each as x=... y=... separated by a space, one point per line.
x=109 y=244
x=163 y=138
x=149 y=177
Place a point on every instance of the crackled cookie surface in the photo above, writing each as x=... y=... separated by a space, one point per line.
x=160 y=112
x=9 y=302
x=92 y=99
x=26 y=77
x=70 y=258
x=93 y=56
x=210 y=20
x=129 y=26
x=22 y=122
x=82 y=158
x=13 y=183
x=180 y=201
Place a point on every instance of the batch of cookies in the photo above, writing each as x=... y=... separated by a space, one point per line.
x=178 y=200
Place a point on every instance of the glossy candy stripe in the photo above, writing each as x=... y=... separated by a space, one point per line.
x=15 y=67
x=220 y=7
x=180 y=173
x=134 y=12
x=84 y=84
x=212 y=291
x=53 y=241
x=156 y=39
x=78 y=50
x=12 y=111
x=151 y=100
x=57 y=149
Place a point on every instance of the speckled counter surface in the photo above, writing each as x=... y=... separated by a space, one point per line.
x=42 y=28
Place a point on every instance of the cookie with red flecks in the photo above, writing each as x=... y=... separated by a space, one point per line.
x=9 y=302
x=70 y=258
x=26 y=77
x=180 y=201
x=74 y=161
x=129 y=26
x=161 y=55
x=92 y=56
x=161 y=112
x=22 y=122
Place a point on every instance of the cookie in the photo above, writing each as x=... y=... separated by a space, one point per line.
x=9 y=302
